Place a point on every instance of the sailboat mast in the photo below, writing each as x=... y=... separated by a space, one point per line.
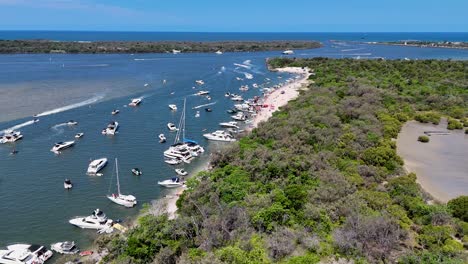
x=183 y=122
x=117 y=172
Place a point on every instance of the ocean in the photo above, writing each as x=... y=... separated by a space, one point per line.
x=86 y=88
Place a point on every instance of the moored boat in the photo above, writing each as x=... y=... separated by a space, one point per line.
x=162 y=138
x=136 y=172
x=67 y=184
x=79 y=135
x=96 y=165
x=171 y=127
x=135 y=102
x=219 y=135
x=171 y=183
x=65 y=247
x=181 y=172
x=126 y=200
x=59 y=146
x=97 y=220
x=173 y=107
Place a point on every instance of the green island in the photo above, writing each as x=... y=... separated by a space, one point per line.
x=428 y=44
x=49 y=46
x=321 y=180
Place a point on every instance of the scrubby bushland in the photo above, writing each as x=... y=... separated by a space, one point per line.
x=454 y=124
x=320 y=180
x=423 y=139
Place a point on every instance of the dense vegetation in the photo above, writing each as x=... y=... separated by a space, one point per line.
x=321 y=180
x=47 y=46
x=440 y=44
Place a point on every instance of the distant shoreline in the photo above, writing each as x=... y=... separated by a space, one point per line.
x=129 y=47
x=424 y=44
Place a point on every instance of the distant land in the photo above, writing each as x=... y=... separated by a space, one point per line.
x=48 y=46
x=430 y=44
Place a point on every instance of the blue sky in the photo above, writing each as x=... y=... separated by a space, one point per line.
x=236 y=15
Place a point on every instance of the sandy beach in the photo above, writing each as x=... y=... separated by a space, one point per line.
x=440 y=165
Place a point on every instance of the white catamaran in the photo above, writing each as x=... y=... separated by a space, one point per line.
x=118 y=198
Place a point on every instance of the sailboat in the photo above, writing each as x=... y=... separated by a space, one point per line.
x=121 y=199
x=184 y=150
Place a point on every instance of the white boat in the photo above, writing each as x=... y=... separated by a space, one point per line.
x=227 y=94
x=237 y=98
x=179 y=151
x=72 y=123
x=181 y=172
x=62 y=145
x=200 y=82
x=202 y=93
x=174 y=51
x=25 y=254
x=135 y=102
x=173 y=161
x=173 y=107
x=244 y=88
x=197 y=114
x=126 y=200
x=11 y=136
x=79 y=135
x=239 y=79
x=171 y=183
x=96 y=165
x=219 y=135
x=248 y=76
x=219 y=52
x=230 y=124
x=288 y=52
x=115 y=111
x=171 y=127
x=255 y=85
x=239 y=117
x=162 y=138
x=67 y=184
x=97 y=220
x=136 y=172
x=65 y=247
x=111 y=128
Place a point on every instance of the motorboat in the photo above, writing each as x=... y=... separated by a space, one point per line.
x=227 y=94
x=197 y=114
x=162 y=138
x=193 y=147
x=62 y=145
x=72 y=123
x=288 y=52
x=181 y=172
x=111 y=128
x=174 y=51
x=171 y=183
x=239 y=117
x=65 y=247
x=79 y=135
x=239 y=79
x=171 y=127
x=255 y=85
x=237 y=98
x=173 y=107
x=208 y=109
x=219 y=52
x=232 y=111
x=173 y=161
x=97 y=220
x=115 y=111
x=179 y=151
x=244 y=88
x=25 y=254
x=14 y=152
x=208 y=97
x=230 y=124
x=126 y=200
x=96 y=165
x=136 y=172
x=200 y=82
x=67 y=184
x=11 y=136
x=202 y=93
x=135 y=102
x=219 y=135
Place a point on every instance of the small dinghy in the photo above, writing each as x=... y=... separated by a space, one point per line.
x=173 y=107
x=197 y=114
x=208 y=110
x=171 y=127
x=14 y=152
x=136 y=172
x=115 y=111
x=67 y=184
x=72 y=123
x=162 y=138
x=181 y=172
x=65 y=247
x=86 y=253
x=79 y=135
x=171 y=183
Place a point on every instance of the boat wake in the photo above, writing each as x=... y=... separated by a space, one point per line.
x=242 y=66
x=58 y=128
x=203 y=105
x=87 y=66
x=344 y=50
x=72 y=106
x=152 y=59
x=16 y=127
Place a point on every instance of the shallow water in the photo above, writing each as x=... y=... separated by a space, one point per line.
x=440 y=164
x=85 y=88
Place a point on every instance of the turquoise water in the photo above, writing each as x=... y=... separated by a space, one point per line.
x=35 y=208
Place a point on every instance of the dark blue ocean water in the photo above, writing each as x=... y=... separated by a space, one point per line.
x=204 y=36
x=35 y=207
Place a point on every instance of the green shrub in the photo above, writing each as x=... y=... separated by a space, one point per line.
x=454 y=124
x=428 y=117
x=423 y=139
x=459 y=207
